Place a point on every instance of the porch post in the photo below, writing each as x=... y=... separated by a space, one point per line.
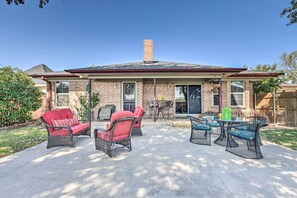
x=90 y=101
x=155 y=100
x=220 y=95
x=49 y=95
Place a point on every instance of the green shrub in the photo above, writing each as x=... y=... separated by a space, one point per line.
x=83 y=109
x=18 y=96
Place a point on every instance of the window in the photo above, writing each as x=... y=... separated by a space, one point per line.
x=62 y=92
x=237 y=93
x=215 y=97
x=187 y=99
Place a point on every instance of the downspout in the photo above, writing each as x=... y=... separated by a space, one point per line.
x=155 y=100
x=90 y=103
x=49 y=93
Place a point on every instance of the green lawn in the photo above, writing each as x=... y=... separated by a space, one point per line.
x=12 y=141
x=285 y=137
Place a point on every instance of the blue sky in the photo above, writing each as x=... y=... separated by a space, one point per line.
x=75 y=33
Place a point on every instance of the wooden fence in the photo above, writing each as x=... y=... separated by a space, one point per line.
x=285 y=105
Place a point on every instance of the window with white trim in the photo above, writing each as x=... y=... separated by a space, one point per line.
x=215 y=97
x=237 y=93
x=62 y=93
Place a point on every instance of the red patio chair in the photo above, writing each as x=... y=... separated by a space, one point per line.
x=138 y=114
x=118 y=132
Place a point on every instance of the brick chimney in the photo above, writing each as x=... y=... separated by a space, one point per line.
x=148 y=53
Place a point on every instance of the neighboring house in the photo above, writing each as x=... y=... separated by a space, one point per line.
x=39 y=69
x=42 y=85
x=193 y=88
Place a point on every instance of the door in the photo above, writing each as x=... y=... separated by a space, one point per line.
x=194 y=99
x=129 y=96
x=188 y=99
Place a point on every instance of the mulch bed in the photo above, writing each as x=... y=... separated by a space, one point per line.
x=16 y=126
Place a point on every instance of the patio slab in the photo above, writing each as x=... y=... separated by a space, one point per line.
x=162 y=163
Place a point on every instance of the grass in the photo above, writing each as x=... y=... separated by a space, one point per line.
x=12 y=141
x=284 y=137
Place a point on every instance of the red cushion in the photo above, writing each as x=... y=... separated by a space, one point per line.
x=122 y=130
x=51 y=115
x=75 y=129
x=120 y=114
x=60 y=123
x=65 y=113
x=138 y=112
x=104 y=135
x=73 y=122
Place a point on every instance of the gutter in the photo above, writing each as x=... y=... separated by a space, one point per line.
x=155 y=70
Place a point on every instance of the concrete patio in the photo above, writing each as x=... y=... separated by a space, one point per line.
x=163 y=163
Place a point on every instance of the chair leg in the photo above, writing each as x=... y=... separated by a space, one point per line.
x=130 y=146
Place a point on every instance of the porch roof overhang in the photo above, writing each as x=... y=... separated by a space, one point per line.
x=156 y=73
x=256 y=76
x=140 y=74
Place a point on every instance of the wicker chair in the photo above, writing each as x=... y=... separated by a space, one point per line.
x=200 y=131
x=212 y=122
x=247 y=141
x=138 y=114
x=263 y=121
x=117 y=135
x=60 y=131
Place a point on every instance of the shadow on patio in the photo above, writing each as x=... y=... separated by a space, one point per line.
x=162 y=163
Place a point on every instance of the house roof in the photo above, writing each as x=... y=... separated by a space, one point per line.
x=38 y=69
x=156 y=66
x=54 y=74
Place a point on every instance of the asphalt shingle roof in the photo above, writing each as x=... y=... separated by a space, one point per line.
x=38 y=69
x=155 y=65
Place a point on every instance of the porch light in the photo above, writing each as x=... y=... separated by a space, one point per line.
x=215 y=85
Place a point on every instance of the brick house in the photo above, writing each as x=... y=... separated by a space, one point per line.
x=192 y=88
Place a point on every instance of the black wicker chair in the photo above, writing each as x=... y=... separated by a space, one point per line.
x=247 y=141
x=200 y=131
x=117 y=135
x=213 y=121
x=263 y=121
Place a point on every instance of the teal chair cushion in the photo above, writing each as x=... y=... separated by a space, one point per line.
x=201 y=127
x=242 y=134
x=214 y=124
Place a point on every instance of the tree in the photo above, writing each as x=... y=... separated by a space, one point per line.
x=18 y=96
x=269 y=84
x=17 y=2
x=289 y=65
x=291 y=12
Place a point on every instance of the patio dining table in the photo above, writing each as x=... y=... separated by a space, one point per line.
x=224 y=125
